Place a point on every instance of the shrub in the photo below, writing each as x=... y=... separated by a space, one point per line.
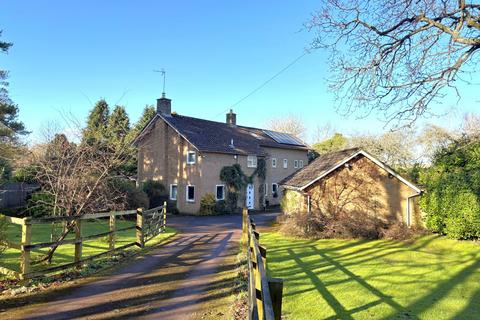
x=398 y=231
x=221 y=207
x=156 y=191
x=26 y=174
x=291 y=201
x=3 y=233
x=137 y=198
x=172 y=207
x=356 y=225
x=208 y=204
x=40 y=204
x=231 y=202
x=303 y=225
x=452 y=200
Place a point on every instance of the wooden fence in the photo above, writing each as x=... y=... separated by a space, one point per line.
x=264 y=294
x=149 y=223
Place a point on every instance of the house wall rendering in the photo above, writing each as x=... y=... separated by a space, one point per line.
x=276 y=171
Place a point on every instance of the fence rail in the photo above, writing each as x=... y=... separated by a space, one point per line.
x=264 y=294
x=149 y=223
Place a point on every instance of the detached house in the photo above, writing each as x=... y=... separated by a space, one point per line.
x=187 y=154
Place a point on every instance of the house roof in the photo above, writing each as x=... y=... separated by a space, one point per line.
x=329 y=162
x=217 y=137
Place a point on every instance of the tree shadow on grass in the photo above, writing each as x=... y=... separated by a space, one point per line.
x=313 y=261
x=444 y=288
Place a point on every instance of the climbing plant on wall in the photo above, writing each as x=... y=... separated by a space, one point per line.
x=236 y=180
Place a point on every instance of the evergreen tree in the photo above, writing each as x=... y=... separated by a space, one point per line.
x=118 y=127
x=97 y=122
x=148 y=113
x=335 y=143
x=4 y=46
x=10 y=128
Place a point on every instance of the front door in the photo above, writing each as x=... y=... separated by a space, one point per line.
x=250 y=196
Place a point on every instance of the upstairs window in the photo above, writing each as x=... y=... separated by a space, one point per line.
x=295 y=164
x=173 y=192
x=190 y=193
x=220 y=192
x=274 y=162
x=285 y=163
x=252 y=161
x=191 y=157
x=301 y=163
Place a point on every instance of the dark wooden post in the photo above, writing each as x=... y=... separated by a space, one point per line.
x=139 y=228
x=276 y=293
x=78 y=242
x=111 y=236
x=26 y=241
x=263 y=253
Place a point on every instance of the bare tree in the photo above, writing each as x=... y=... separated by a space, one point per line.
x=397 y=56
x=395 y=148
x=471 y=125
x=78 y=179
x=291 y=124
x=433 y=138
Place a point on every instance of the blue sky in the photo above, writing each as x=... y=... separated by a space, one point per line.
x=67 y=55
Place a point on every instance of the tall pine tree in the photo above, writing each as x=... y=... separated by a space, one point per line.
x=10 y=128
x=118 y=127
x=148 y=113
x=96 y=130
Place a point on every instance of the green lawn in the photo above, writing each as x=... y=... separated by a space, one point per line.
x=64 y=254
x=429 y=278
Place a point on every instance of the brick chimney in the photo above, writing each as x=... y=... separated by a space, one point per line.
x=232 y=118
x=164 y=106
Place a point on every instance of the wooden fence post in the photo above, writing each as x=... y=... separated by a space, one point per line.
x=78 y=242
x=263 y=253
x=139 y=228
x=111 y=236
x=164 y=215
x=258 y=290
x=26 y=241
x=245 y=228
x=276 y=293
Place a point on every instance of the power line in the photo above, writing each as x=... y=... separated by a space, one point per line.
x=265 y=83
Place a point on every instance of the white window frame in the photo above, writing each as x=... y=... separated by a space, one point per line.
x=274 y=186
x=266 y=190
x=295 y=164
x=252 y=161
x=285 y=163
x=186 y=193
x=171 y=193
x=274 y=162
x=301 y=163
x=194 y=157
x=216 y=193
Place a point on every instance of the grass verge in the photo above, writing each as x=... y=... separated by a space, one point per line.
x=429 y=278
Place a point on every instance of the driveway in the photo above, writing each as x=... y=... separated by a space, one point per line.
x=189 y=277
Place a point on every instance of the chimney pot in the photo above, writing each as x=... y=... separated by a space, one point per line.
x=164 y=106
x=232 y=118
